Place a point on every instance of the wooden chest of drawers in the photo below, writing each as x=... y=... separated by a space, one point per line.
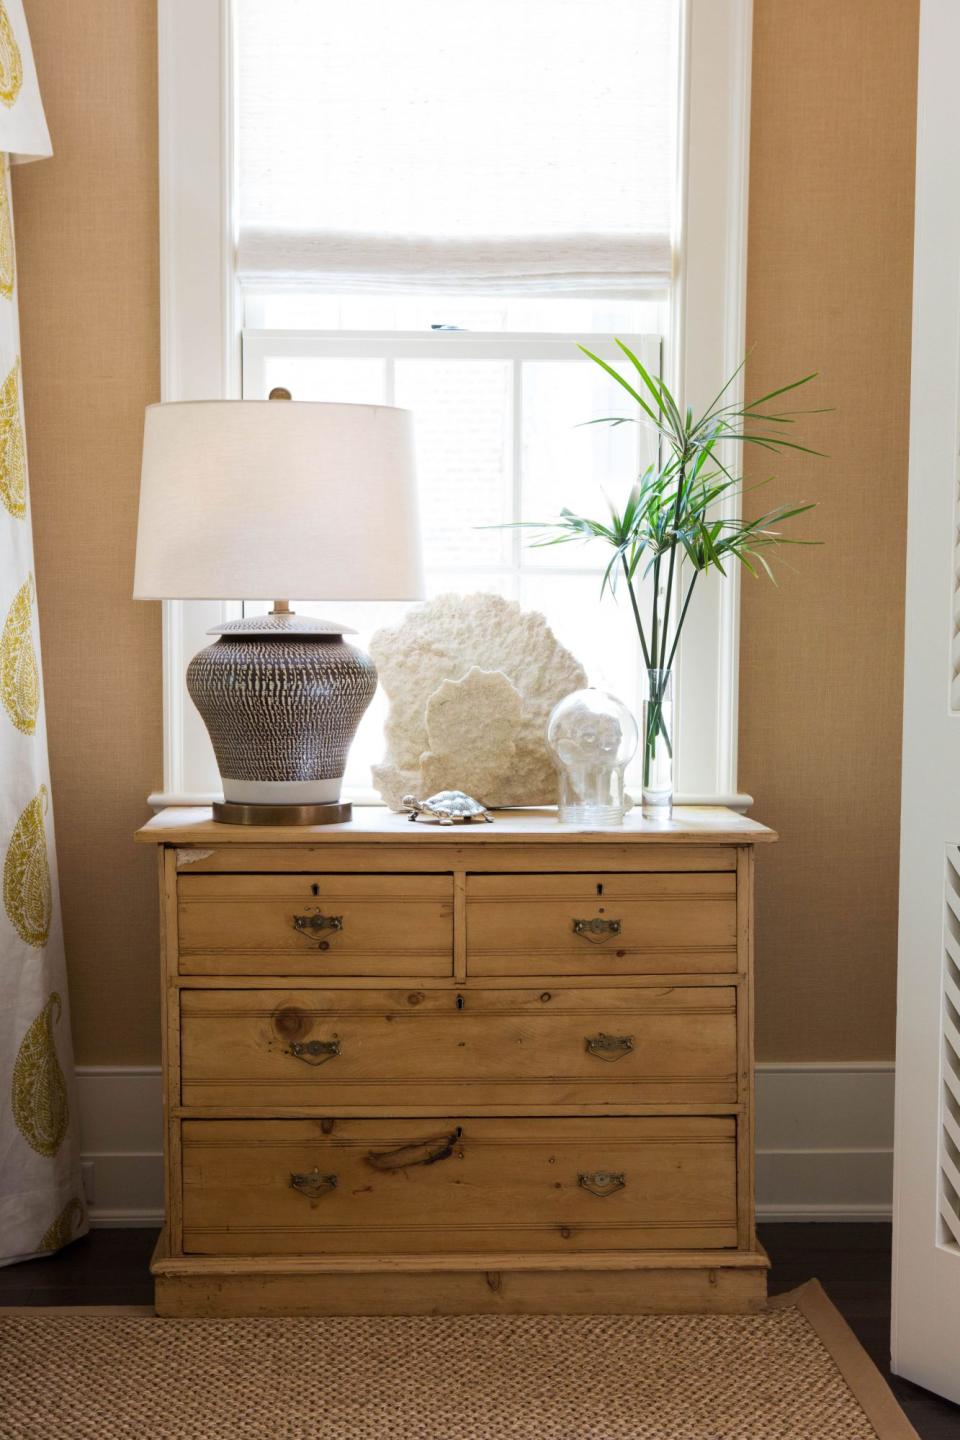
x=412 y=1069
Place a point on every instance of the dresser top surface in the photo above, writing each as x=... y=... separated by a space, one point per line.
x=690 y=825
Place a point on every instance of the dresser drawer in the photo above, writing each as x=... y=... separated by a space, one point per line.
x=586 y=924
x=439 y=1186
x=315 y=924
x=269 y=1048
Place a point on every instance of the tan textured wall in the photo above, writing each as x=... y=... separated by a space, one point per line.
x=831 y=234
x=86 y=225
x=829 y=289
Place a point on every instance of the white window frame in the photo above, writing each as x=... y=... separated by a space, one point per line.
x=512 y=348
x=201 y=317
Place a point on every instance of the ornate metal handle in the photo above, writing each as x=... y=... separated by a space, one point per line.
x=609 y=1047
x=313 y=1184
x=597 y=930
x=602 y=1182
x=315 y=1052
x=416 y=1152
x=313 y=924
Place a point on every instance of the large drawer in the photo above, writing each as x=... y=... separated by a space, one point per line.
x=587 y=924
x=270 y=1048
x=315 y=924
x=306 y=1187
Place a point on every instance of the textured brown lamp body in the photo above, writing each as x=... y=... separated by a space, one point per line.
x=249 y=500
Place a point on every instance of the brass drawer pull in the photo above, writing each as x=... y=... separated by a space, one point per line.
x=602 y=1182
x=315 y=1052
x=313 y=1184
x=416 y=1152
x=597 y=931
x=609 y=1047
x=313 y=924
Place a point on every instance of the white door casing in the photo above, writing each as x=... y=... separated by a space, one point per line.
x=925 y=1340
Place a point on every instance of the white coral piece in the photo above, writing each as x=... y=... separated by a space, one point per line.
x=452 y=657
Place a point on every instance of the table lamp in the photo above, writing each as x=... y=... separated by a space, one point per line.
x=251 y=499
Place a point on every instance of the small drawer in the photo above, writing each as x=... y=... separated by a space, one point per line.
x=653 y=924
x=315 y=924
x=262 y=1049
x=340 y=1187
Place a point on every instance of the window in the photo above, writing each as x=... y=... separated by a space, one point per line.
x=429 y=205
x=496 y=442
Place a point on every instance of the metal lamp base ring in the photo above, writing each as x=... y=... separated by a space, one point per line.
x=229 y=812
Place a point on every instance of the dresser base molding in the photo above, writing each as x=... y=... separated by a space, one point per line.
x=608 y=1283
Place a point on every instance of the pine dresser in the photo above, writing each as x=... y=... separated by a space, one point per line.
x=416 y=1069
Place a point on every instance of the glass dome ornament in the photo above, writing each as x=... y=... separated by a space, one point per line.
x=592 y=737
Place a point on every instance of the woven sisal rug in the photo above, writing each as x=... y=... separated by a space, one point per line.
x=794 y=1372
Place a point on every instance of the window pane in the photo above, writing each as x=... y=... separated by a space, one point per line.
x=600 y=633
x=466 y=444
x=566 y=462
x=353 y=382
x=464 y=451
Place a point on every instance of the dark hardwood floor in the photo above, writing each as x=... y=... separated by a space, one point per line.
x=852 y=1262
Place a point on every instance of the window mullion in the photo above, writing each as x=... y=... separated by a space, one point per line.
x=516 y=477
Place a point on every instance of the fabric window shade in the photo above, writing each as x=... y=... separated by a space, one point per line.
x=523 y=147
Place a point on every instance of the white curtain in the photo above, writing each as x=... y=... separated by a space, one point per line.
x=41 y=1200
x=510 y=145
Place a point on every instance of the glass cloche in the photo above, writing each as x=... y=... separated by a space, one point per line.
x=592 y=737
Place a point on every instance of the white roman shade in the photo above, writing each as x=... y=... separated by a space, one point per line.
x=521 y=146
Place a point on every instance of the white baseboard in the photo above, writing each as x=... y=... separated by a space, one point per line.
x=121 y=1137
x=824 y=1141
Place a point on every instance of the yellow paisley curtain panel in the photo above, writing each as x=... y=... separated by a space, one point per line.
x=41 y=1199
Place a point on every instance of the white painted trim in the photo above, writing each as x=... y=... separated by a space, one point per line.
x=200 y=326
x=824 y=1141
x=259 y=345
x=162 y=799
x=823 y=1214
x=199 y=301
x=708 y=334
x=121 y=1136
x=926 y=1262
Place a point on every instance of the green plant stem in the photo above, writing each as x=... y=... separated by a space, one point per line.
x=636 y=613
x=683 y=616
x=655 y=725
x=655 y=714
x=655 y=721
x=655 y=622
x=673 y=556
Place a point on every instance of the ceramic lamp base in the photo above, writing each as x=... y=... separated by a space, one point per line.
x=281 y=696
x=230 y=813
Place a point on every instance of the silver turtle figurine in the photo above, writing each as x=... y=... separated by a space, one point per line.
x=448 y=807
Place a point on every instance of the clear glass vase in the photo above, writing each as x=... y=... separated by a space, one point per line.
x=658 y=746
x=592 y=737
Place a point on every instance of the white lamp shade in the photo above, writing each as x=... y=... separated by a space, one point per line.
x=272 y=499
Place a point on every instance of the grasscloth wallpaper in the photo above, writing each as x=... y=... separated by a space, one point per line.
x=87 y=251
x=829 y=289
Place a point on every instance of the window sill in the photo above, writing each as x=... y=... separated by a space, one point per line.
x=162 y=800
